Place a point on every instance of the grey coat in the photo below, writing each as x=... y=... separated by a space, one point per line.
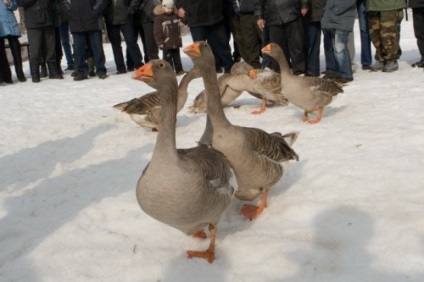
x=339 y=14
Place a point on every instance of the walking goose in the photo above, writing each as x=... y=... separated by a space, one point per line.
x=256 y=156
x=145 y=110
x=265 y=87
x=311 y=94
x=187 y=189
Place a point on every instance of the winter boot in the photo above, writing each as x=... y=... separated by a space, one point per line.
x=53 y=71
x=391 y=66
x=377 y=66
x=43 y=72
x=35 y=72
x=419 y=64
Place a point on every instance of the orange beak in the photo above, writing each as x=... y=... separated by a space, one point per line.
x=266 y=49
x=252 y=73
x=144 y=73
x=193 y=50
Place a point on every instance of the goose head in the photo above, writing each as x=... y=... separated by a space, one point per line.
x=152 y=71
x=200 y=53
x=272 y=49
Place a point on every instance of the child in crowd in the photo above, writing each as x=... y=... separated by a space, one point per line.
x=167 y=34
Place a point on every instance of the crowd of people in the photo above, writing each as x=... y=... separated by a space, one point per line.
x=297 y=26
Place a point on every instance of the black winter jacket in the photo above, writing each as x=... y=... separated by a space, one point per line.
x=201 y=12
x=316 y=10
x=38 y=13
x=416 y=3
x=87 y=15
x=276 y=12
x=121 y=11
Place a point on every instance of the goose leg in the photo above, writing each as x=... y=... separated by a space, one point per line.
x=251 y=212
x=261 y=109
x=209 y=254
x=200 y=234
x=317 y=119
x=305 y=117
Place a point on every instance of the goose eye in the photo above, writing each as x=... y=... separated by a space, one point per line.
x=161 y=65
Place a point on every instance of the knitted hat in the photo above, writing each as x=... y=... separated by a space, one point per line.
x=168 y=3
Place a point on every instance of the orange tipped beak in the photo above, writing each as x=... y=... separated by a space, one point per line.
x=193 y=50
x=266 y=49
x=252 y=73
x=144 y=73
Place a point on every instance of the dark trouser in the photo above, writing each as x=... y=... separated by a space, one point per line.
x=64 y=37
x=5 y=73
x=366 y=57
x=251 y=39
x=94 y=38
x=314 y=43
x=216 y=36
x=418 y=18
x=173 y=57
x=42 y=42
x=58 y=47
x=15 y=48
x=290 y=37
x=150 y=49
x=128 y=31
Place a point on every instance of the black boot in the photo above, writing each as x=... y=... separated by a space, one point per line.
x=35 y=71
x=15 y=48
x=53 y=71
x=43 y=73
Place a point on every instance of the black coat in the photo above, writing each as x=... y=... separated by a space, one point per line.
x=276 y=12
x=121 y=11
x=201 y=12
x=87 y=15
x=38 y=13
x=416 y=3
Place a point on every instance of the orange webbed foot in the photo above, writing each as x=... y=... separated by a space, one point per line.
x=250 y=211
x=208 y=255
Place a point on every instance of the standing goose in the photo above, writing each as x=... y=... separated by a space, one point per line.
x=231 y=86
x=256 y=156
x=311 y=94
x=145 y=110
x=187 y=189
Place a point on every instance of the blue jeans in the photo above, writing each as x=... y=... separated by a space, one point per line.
x=337 y=56
x=366 y=56
x=217 y=38
x=64 y=37
x=94 y=38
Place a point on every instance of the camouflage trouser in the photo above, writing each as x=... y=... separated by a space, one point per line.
x=384 y=27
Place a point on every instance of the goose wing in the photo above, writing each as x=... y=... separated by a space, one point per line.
x=140 y=105
x=274 y=146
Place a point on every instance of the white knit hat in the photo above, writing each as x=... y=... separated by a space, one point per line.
x=168 y=3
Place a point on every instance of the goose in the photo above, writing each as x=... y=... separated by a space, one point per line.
x=231 y=86
x=311 y=94
x=259 y=159
x=187 y=189
x=146 y=110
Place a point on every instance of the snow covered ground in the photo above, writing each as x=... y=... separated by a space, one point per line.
x=352 y=208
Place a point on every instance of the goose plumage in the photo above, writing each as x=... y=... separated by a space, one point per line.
x=311 y=94
x=265 y=85
x=187 y=189
x=146 y=110
x=257 y=157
